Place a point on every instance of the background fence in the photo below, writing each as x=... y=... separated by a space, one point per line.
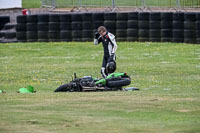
x=122 y=3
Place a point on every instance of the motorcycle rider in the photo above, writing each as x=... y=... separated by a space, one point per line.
x=109 y=46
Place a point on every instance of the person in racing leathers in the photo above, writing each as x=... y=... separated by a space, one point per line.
x=109 y=46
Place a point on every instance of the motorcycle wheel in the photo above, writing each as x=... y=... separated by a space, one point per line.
x=64 y=88
x=119 y=83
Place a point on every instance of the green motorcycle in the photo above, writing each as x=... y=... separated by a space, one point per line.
x=113 y=82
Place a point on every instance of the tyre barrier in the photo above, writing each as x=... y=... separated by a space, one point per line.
x=21 y=19
x=87 y=17
x=143 y=16
x=113 y=31
x=65 y=26
x=178 y=25
x=21 y=36
x=110 y=24
x=54 y=18
x=43 y=26
x=54 y=34
x=132 y=24
x=2 y=34
x=1 y=26
x=166 y=33
x=189 y=25
x=143 y=33
x=66 y=35
x=198 y=34
x=188 y=16
x=3 y=21
x=143 y=24
x=10 y=35
x=155 y=33
x=65 y=18
x=121 y=35
x=76 y=18
x=167 y=16
x=98 y=17
x=110 y=16
x=166 y=25
x=155 y=39
x=76 y=35
x=132 y=33
x=143 y=39
x=43 y=18
x=42 y=34
x=133 y=16
x=54 y=26
x=122 y=16
x=31 y=27
x=178 y=16
x=178 y=35
x=21 y=27
x=76 y=25
x=155 y=25
x=9 y=26
x=87 y=34
x=155 y=16
x=126 y=26
x=166 y=39
x=96 y=24
x=198 y=40
x=189 y=36
x=87 y=25
x=121 y=24
x=31 y=36
x=32 y=18
x=132 y=39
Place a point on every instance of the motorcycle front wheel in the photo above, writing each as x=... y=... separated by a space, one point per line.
x=64 y=88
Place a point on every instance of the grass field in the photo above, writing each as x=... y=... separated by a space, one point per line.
x=167 y=74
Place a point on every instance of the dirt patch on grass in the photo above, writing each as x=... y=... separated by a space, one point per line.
x=183 y=110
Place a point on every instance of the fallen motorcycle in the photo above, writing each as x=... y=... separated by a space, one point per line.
x=113 y=82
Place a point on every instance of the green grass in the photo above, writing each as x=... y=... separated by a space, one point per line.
x=167 y=74
x=31 y=3
x=69 y=3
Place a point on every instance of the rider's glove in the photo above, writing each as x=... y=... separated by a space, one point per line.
x=96 y=35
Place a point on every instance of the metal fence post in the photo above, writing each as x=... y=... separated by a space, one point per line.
x=42 y=3
x=144 y=3
x=113 y=4
x=80 y=3
x=178 y=3
x=53 y=4
x=114 y=7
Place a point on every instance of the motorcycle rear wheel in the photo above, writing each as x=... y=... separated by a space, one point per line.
x=119 y=83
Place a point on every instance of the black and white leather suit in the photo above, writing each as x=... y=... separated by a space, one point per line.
x=110 y=47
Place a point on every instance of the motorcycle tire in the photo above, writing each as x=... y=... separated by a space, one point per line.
x=119 y=83
x=64 y=88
